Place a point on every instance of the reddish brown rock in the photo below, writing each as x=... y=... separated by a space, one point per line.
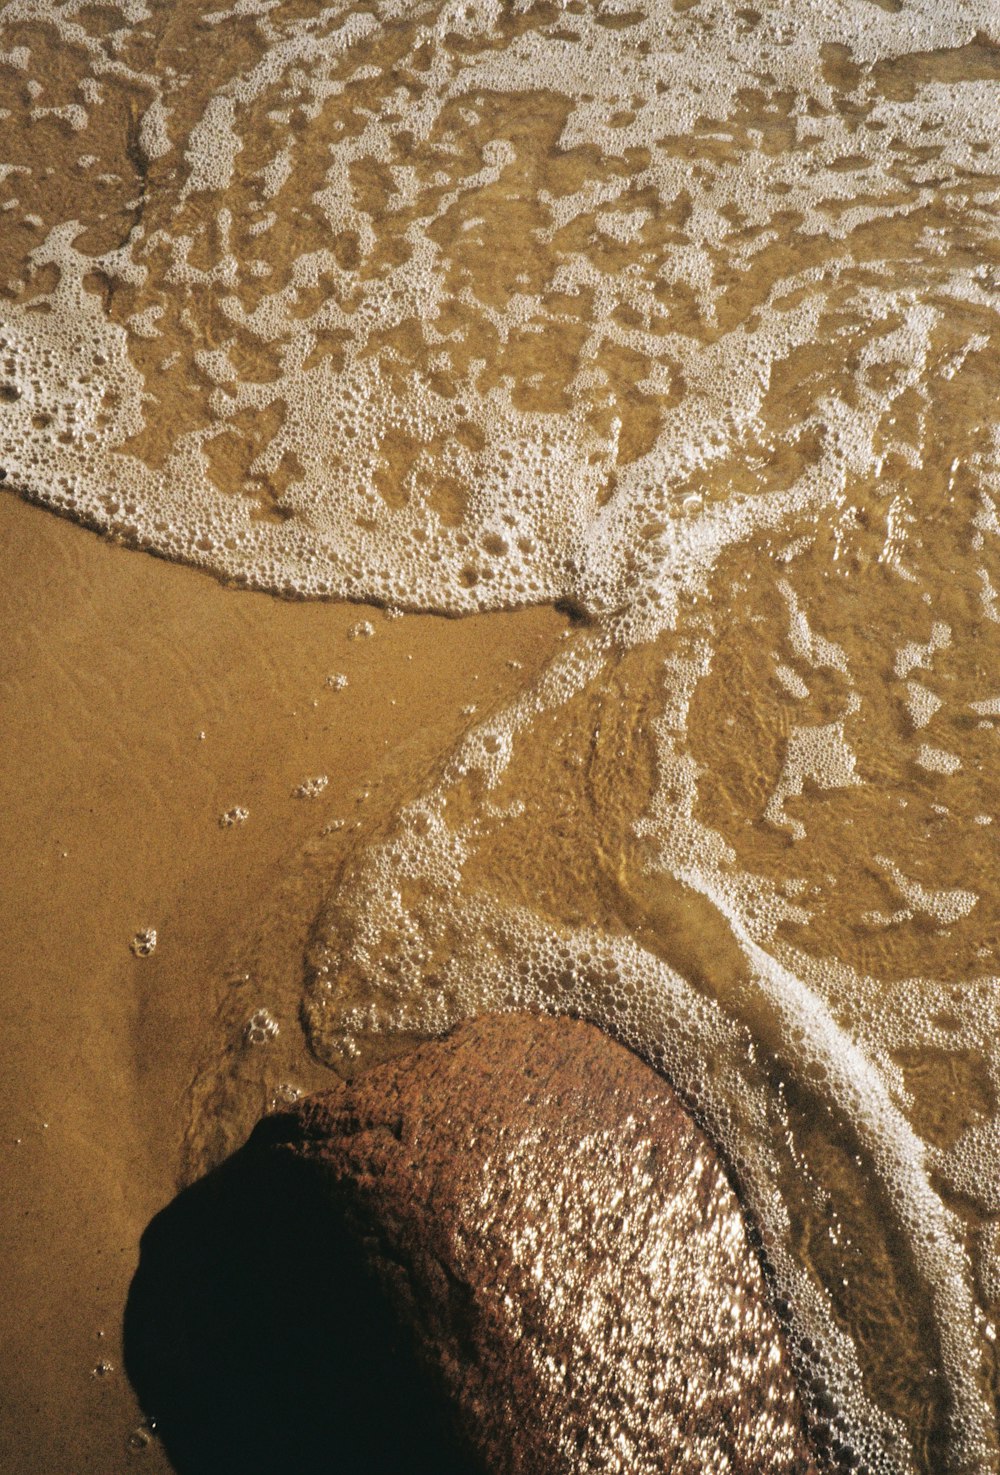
x=562 y=1242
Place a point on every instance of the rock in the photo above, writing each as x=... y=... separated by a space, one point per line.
x=562 y=1244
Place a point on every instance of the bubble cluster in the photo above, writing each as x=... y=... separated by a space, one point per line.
x=311 y=788
x=260 y=1028
x=143 y=944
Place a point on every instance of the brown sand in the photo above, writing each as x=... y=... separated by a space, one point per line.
x=113 y=664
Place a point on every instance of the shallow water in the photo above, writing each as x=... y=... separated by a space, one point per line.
x=684 y=318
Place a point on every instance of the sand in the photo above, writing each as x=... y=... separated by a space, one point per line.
x=142 y=700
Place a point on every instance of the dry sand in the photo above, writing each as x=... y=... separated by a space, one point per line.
x=113 y=666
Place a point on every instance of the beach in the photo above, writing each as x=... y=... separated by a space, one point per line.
x=501 y=512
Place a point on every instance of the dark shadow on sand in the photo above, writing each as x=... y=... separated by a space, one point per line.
x=257 y=1342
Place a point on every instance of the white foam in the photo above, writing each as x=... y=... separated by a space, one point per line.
x=818 y=754
x=921 y=703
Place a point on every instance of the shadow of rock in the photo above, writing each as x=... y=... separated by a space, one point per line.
x=257 y=1342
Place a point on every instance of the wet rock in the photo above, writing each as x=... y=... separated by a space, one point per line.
x=563 y=1247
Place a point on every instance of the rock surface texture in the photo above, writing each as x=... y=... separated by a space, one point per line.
x=562 y=1243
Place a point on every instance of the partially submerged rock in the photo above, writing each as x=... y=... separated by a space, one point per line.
x=563 y=1247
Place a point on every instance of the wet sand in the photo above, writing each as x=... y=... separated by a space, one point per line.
x=113 y=665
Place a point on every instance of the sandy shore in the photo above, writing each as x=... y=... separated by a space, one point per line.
x=142 y=701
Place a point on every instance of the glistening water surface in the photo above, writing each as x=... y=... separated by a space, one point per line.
x=683 y=316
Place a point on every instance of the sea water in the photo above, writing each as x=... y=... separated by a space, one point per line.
x=683 y=317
